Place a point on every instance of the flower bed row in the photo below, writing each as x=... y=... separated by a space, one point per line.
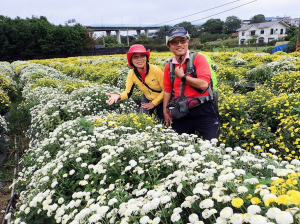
x=7 y=93
x=91 y=163
x=266 y=116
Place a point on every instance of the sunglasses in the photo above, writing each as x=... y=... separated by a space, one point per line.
x=136 y=57
x=176 y=42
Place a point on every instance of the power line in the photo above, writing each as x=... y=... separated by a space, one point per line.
x=198 y=12
x=223 y=11
x=168 y=7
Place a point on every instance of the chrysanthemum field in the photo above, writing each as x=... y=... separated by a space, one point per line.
x=88 y=162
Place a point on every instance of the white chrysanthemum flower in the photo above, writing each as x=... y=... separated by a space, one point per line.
x=253 y=209
x=226 y=212
x=112 y=201
x=255 y=219
x=193 y=218
x=144 y=219
x=61 y=200
x=271 y=167
x=102 y=210
x=207 y=203
x=247 y=217
x=132 y=163
x=94 y=207
x=72 y=172
x=236 y=219
x=251 y=181
x=175 y=217
x=242 y=189
x=226 y=198
x=165 y=199
x=83 y=165
x=271 y=213
x=264 y=192
x=156 y=220
x=83 y=182
x=94 y=218
x=284 y=217
x=221 y=220
x=8 y=216
x=222 y=178
x=27 y=210
x=177 y=210
x=206 y=213
x=267 y=195
x=186 y=204
x=127 y=212
x=282 y=173
x=111 y=187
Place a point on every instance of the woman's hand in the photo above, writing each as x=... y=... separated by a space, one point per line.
x=167 y=118
x=148 y=106
x=113 y=98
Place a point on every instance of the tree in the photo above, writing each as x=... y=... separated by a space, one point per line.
x=163 y=31
x=213 y=26
x=291 y=34
x=110 y=41
x=232 y=23
x=189 y=27
x=259 y=18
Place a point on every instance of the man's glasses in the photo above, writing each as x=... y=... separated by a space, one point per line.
x=136 y=57
x=176 y=42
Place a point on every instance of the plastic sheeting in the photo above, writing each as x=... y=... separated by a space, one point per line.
x=279 y=48
x=283 y=47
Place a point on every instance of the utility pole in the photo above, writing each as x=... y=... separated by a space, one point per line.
x=298 y=39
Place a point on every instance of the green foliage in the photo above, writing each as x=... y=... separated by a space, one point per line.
x=26 y=36
x=163 y=31
x=231 y=24
x=213 y=26
x=206 y=37
x=259 y=18
x=189 y=27
x=291 y=35
x=4 y=102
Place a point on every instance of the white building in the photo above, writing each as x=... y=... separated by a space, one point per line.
x=264 y=32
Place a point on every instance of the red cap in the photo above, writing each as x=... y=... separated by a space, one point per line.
x=136 y=48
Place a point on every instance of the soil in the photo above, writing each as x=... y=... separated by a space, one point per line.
x=5 y=195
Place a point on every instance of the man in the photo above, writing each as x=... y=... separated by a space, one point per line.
x=203 y=118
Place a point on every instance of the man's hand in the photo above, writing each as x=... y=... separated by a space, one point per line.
x=148 y=106
x=113 y=98
x=179 y=72
x=167 y=118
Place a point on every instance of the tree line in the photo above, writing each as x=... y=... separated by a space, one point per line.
x=26 y=36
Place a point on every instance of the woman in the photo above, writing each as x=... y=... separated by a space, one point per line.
x=149 y=79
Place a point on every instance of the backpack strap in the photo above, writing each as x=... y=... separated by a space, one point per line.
x=140 y=78
x=189 y=70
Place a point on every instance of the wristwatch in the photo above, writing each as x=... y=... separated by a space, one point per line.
x=183 y=78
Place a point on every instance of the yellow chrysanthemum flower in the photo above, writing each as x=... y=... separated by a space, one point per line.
x=237 y=202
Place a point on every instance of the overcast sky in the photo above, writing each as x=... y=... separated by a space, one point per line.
x=150 y=12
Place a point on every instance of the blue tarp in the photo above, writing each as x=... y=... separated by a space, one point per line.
x=283 y=47
x=279 y=48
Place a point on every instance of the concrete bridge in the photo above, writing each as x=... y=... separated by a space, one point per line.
x=119 y=28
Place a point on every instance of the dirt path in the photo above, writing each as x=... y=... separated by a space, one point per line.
x=5 y=195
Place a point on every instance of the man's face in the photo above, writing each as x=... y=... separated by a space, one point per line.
x=179 y=45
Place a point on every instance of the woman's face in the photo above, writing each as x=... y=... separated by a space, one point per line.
x=139 y=60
